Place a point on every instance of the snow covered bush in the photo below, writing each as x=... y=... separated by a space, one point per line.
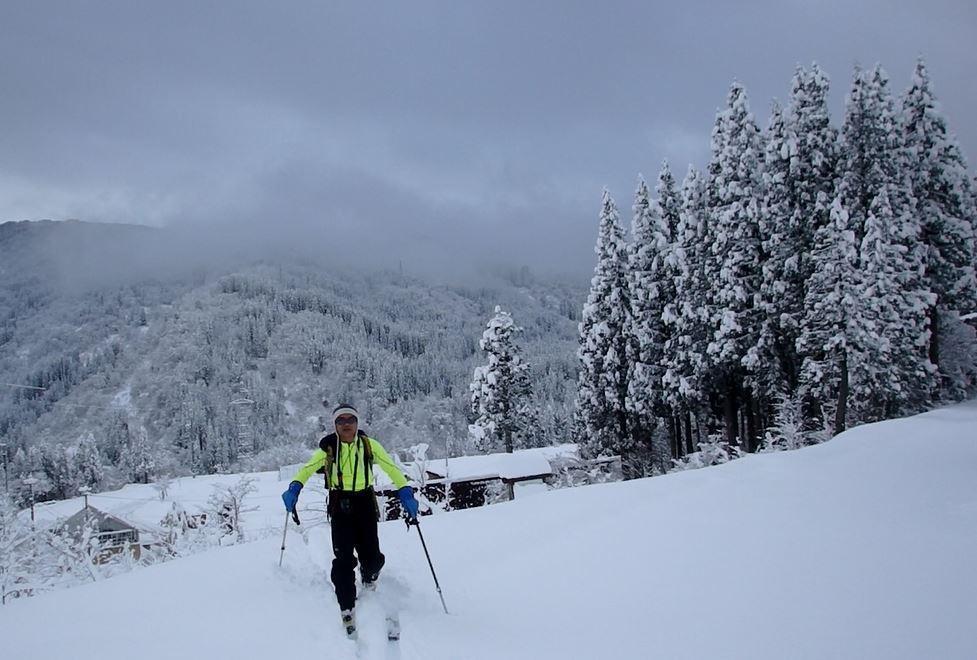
x=226 y=508
x=15 y=567
x=788 y=430
x=715 y=451
x=572 y=471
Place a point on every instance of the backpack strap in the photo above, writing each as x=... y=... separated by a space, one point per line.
x=329 y=444
x=367 y=457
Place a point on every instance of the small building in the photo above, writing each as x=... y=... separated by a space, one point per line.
x=464 y=482
x=114 y=534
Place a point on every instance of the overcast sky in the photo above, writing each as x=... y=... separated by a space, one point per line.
x=437 y=130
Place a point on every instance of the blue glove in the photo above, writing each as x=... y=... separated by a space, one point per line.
x=406 y=495
x=291 y=496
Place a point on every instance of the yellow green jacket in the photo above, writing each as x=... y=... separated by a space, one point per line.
x=352 y=459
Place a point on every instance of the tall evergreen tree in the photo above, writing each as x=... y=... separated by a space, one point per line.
x=685 y=350
x=137 y=460
x=501 y=391
x=874 y=161
x=670 y=205
x=942 y=187
x=651 y=290
x=90 y=471
x=736 y=251
x=646 y=331
x=773 y=358
x=669 y=202
x=827 y=338
x=874 y=384
x=910 y=337
x=813 y=165
x=800 y=164
x=601 y=407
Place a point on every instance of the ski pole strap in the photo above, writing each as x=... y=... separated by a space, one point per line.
x=295 y=517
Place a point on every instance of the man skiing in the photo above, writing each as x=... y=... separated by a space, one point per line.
x=347 y=458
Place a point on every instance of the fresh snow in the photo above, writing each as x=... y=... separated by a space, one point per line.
x=862 y=547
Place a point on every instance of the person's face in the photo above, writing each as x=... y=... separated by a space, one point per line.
x=346 y=427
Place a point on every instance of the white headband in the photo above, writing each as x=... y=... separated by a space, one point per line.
x=339 y=412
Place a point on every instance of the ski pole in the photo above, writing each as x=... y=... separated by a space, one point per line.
x=284 y=532
x=295 y=517
x=417 y=524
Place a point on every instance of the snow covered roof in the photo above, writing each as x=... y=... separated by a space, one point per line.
x=519 y=464
x=104 y=521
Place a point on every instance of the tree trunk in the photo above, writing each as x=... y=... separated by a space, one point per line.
x=730 y=417
x=750 y=411
x=841 y=412
x=674 y=434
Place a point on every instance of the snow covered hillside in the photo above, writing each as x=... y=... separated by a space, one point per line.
x=862 y=547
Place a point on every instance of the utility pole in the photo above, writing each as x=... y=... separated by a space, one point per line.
x=6 y=467
x=30 y=481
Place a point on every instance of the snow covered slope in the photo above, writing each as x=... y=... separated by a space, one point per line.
x=863 y=547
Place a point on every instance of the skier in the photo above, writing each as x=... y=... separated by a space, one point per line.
x=347 y=457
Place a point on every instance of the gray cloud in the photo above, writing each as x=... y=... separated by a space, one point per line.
x=434 y=131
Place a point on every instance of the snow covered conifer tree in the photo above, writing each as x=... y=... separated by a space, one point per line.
x=773 y=357
x=873 y=160
x=90 y=472
x=670 y=207
x=602 y=385
x=945 y=206
x=650 y=288
x=501 y=391
x=687 y=317
x=831 y=309
x=644 y=330
x=872 y=152
x=787 y=430
x=800 y=164
x=859 y=151
x=736 y=251
x=137 y=458
x=669 y=202
x=813 y=163
x=910 y=334
x=874 y=382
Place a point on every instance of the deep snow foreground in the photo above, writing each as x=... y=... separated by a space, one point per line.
x=863 y=547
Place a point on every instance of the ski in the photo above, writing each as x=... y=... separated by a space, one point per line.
x=349 y=623
x=391 y=618
x=393 y=628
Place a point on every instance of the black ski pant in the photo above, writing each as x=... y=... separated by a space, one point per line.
x=354 y=529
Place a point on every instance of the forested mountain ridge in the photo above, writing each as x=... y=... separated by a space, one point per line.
x=146 y=365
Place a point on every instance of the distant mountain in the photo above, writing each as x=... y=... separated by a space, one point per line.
x=175 y=358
